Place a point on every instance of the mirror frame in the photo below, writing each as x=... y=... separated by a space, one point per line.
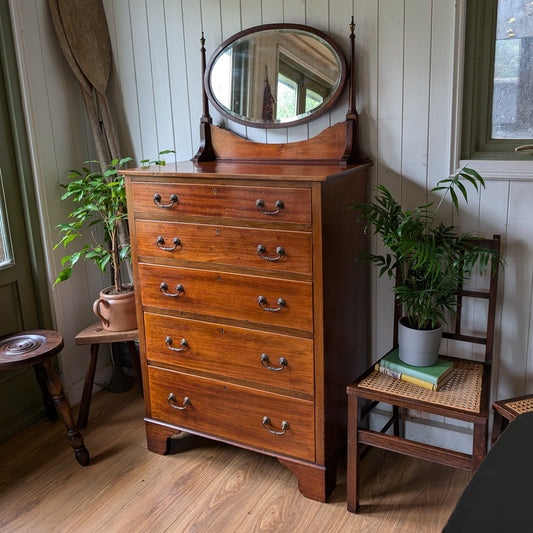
x=284 y=26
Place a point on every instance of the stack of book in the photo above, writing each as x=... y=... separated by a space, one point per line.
x=430 y=377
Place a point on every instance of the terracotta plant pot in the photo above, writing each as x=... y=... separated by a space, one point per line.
x=418 y=347
x=116 y=310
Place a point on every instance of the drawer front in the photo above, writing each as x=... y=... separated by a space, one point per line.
x=222 y=294
x=284 y=251
x=268 y=358
x=233 y=412
x=268 y=204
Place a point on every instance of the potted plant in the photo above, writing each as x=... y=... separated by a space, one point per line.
x=100 y=199
x=427 y=259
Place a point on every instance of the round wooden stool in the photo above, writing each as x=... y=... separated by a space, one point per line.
x=36 y=348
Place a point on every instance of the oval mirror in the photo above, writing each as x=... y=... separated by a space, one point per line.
x=276 y=75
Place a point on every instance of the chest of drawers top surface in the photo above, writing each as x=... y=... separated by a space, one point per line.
x=242 y=170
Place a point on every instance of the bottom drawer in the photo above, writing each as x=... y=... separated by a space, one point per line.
x=233 y=412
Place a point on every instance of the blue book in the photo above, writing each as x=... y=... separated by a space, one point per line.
x=434 y=374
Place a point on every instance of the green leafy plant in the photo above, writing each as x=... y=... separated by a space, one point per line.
x=158 y=161
x=100 y=197
x=426 y=258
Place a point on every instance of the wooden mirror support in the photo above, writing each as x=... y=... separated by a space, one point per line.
x=338 y=143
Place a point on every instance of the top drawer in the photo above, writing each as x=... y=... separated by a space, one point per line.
x=268 y=204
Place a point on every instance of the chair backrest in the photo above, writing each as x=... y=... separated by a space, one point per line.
x=455 y=332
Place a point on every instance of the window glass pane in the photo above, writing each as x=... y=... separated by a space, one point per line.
x=312 y=100
x=512 y=104
x=6 y=258
x=287 y=97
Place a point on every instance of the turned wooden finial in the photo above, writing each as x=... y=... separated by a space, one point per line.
x=206 y=151
x=352 y=153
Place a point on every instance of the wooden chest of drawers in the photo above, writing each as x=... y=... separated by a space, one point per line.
x=252 y=309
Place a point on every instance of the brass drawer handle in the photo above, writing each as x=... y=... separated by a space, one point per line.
x=173 y=402
x=173 y=200
x=279 y=250
x=259 y=204
x=265 y=362
x=164 y=288
x=161 y=241
x=284 y=426
x=184 y=344
x=263 y=302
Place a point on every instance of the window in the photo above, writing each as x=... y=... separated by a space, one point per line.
x=498 y=76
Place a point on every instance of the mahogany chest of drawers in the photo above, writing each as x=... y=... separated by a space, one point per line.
x=252 y=308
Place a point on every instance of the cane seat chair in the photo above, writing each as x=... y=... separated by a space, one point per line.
x=466 y=396
x=505 y=411
x=36 y=348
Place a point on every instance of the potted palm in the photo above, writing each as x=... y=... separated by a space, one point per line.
x=427 y=260
x=99 y=195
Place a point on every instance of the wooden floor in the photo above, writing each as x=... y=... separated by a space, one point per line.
x=209 y=488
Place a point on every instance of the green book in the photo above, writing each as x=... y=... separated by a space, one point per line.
x=432 y=374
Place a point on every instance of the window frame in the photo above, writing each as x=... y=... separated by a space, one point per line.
x=478 y=78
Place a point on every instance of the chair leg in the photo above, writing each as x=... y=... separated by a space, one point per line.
x=134 y=355
x=49 y=406
x=397 y=421
x=352 y=469
x=498 y=425
x=479 y=445
x=86 y=395
x=55 y=388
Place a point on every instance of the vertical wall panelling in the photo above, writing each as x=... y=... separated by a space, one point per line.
x=162 y=106
x=417 y=50
x=144 y=74
x=128 y=126
x=517 y=357
x=178 y=73
x=192 y=32
x=388 y=158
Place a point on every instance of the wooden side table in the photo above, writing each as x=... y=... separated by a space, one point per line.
x=96 y=335
x=506 y=411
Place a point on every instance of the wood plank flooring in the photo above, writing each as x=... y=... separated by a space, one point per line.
x=208 y=488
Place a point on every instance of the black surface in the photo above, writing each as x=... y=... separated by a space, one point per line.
x=499 y=497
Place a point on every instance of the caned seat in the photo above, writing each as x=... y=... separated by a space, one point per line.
x=506 y=411
x=466 y=396
x=36 y=348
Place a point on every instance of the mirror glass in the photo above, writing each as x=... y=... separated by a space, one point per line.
x=275 y=76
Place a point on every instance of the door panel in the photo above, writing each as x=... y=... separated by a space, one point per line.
x=20 y=396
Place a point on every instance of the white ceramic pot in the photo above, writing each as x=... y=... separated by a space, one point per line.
x=418 y=347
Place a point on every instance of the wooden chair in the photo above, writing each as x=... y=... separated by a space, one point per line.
x=36 y=348
x=466 y=396
x=505 y=411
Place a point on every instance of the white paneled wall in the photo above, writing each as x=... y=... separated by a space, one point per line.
x=408 y=95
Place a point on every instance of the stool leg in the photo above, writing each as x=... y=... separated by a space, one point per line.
x=352 y=467
x=86 y=395
x=49 y=407
x=55 y=387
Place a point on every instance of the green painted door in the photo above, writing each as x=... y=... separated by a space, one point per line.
x=21 y=295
